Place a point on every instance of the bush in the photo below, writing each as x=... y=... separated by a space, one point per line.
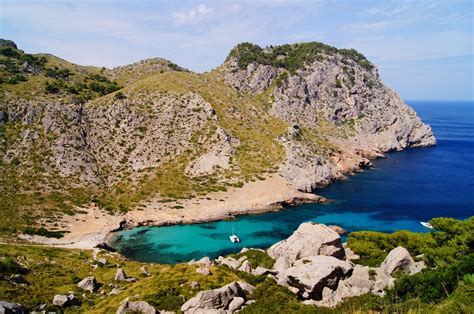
x=166 y=300
x=452 y=240
x=257 y=258
x=119 y=95
x=291 y=57
x=43 y=232
x=52 y=88
x=16 y=78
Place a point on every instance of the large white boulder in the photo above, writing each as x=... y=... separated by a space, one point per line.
x=219 y=300
x=310 y=239
x=399 y=259
x=312 y=274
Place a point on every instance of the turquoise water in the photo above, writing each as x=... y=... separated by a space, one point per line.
x=401 y=190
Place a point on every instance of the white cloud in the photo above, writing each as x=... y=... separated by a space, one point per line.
x=194 y=16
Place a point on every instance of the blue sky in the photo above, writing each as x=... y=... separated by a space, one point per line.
x=424 y=49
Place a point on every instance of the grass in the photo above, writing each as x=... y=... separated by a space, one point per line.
x=57 y=271
x=257 y=258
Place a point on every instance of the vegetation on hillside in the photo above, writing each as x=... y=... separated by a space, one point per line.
x=291 y=57
x=45 y=272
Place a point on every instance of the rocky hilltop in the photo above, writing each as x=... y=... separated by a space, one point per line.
x=153 y=133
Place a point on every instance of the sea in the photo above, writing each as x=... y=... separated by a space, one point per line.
x=401 y=190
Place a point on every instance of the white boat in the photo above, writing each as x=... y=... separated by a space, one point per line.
x=426 y=224
x=233 y=238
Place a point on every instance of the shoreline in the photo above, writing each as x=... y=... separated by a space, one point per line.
x=94 y=227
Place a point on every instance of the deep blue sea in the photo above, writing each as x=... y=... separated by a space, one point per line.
x=400 y=191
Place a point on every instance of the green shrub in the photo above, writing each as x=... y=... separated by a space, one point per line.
x=43 y=232
x=119 y=95
x=169 y=299
x=257 y=258
x=431 y=285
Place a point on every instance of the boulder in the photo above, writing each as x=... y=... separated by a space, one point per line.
x=60 y=300
x=382 y=281
x=230 y=261
x=88 y=284
x=102 y=261
x=248 y=288
x=338 y=229
x=120 y=275
x=312 y=274
x=360 y=282
x=246 y=267
x=236 y=304
x=203 y=271
x=11 y=308
x=218 y=299
x=205 y=261
x=136 y=307
x=281 y=264
x=261 y=271
x=399 y=259
x=115 y=291
x=310 y=239
x=144 y=271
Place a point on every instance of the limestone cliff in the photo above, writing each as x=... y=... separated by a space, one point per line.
x=312 y=86
x=71 y=135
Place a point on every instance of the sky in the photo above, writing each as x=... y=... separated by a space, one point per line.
x=423 y=49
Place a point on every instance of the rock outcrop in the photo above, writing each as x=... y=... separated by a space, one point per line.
x=312 y=263
x=331 y=85
x=227 y=298
x=310 y=239
x=399 y=259
x=312 y=274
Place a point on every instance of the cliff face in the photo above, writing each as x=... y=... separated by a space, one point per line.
x=329 y=87
x=71 y=135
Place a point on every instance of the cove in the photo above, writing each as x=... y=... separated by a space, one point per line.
x=401 y=190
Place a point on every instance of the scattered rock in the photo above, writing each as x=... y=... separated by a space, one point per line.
x=217 y=299
x=120 y=275
x=102 y=261
x=203 y=271
x=310 y=239
x=144 y=271
x=60 y=300
x=115 y=291
x=235 y=304
x=194 y=285
x=13 y=308
x=88 y=284
x=136 y=307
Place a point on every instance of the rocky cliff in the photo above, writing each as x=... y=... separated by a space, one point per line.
x=72 y=135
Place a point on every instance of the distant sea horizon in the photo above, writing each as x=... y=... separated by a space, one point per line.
x=401 y=190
